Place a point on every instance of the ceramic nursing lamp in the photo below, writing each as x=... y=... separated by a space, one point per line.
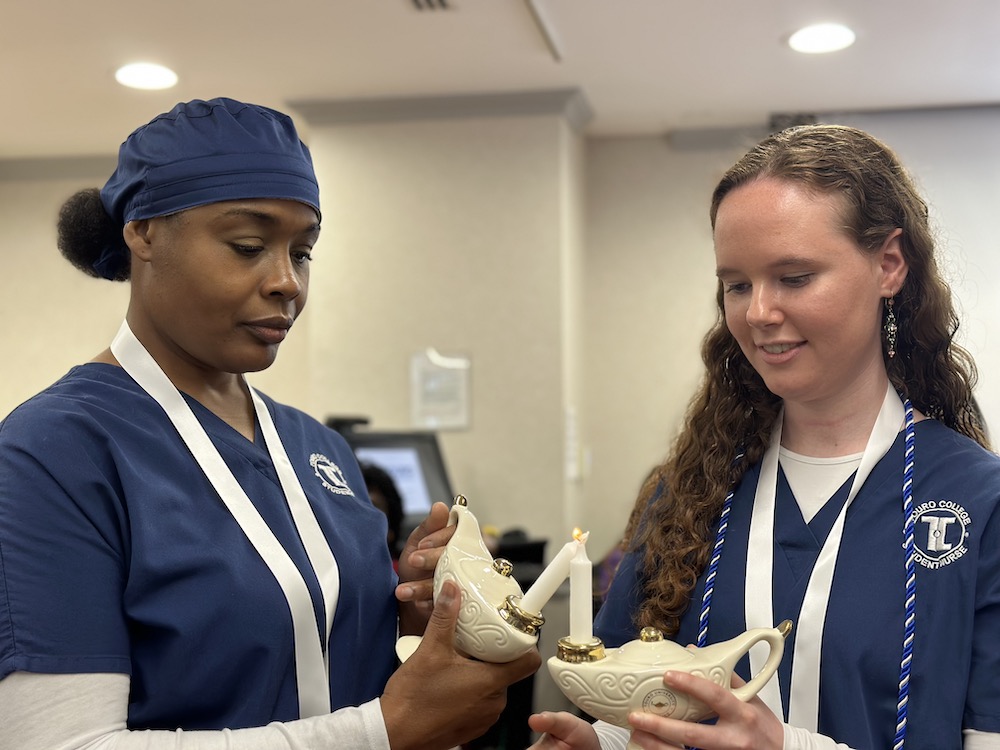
x=492 y=625
x=498 y=622
x=611 y=685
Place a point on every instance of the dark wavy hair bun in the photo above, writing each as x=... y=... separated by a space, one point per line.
x=85 y=229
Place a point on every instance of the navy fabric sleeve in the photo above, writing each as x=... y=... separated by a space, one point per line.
x=117 y=555
x=982 y=708
x=62 y=551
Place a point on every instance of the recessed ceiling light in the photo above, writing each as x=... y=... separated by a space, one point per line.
x=821 y=37
x=145 y=76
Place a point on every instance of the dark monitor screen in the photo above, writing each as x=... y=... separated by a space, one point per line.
x=414 y=461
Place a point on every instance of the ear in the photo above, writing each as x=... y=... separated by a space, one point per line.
x=139 y=238
x=892 y=264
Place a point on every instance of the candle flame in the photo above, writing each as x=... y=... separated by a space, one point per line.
x=580 y=535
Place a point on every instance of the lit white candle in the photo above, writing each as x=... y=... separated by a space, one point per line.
x=550 y=579
x=581 y=595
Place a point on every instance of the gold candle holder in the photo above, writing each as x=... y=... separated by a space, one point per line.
x=527 y=622
x=580 y=653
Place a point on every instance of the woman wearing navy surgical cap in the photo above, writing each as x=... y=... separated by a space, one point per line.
x=185 y=563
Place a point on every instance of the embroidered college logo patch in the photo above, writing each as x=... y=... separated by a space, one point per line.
x=329 y=474
x=940 y=528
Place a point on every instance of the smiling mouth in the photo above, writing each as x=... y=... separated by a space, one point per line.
x=777 y=348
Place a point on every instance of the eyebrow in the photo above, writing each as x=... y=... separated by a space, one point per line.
x=264 y=217
x=788 y=261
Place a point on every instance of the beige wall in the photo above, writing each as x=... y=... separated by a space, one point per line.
x=55 y=316
x=460 y=233
x=649 y=276
x=577 y=276
x=450 y=234
x=955 y=158
x=649 y=290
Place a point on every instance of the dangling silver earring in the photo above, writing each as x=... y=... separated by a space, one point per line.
x=889 y=326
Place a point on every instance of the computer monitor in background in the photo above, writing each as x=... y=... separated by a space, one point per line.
x=414 y=461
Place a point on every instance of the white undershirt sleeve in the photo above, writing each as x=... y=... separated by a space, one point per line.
x=802 y=739
x=976 y=740
x=610 y=736
x=88 y=712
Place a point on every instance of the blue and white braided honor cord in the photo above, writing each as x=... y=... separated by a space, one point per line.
x=911 y=584
x=713 y=564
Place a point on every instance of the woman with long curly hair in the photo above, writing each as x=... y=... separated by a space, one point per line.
x=832 y=470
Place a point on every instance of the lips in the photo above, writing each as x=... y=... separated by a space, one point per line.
x=778 y=353
x=270 y=330
x=277 y=321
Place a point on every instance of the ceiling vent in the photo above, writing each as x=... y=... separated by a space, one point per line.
x=431 y=5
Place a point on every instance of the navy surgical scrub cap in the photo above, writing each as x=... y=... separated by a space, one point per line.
x=203 y=152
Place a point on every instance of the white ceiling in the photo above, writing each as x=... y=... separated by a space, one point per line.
x=644 y=66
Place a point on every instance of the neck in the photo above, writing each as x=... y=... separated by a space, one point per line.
x=224 y=394
x=825 y=430
x=229 y=401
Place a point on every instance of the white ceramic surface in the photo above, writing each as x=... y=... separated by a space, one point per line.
x=482 y=631
x=630 y=678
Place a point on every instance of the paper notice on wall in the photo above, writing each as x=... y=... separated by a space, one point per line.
x=439 y=391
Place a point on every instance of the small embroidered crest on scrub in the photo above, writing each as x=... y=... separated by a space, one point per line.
x=940 y=528
x=329 y=474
